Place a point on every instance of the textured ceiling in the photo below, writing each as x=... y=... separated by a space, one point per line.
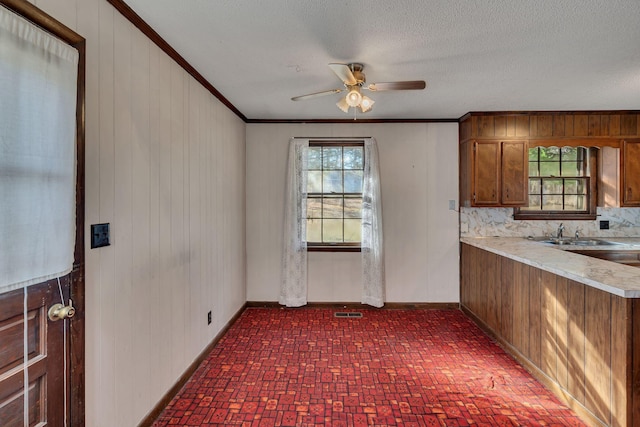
x=476 y=55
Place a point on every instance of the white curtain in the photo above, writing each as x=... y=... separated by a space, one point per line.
x=38 y=75
x=293 y=291
x=373 y=286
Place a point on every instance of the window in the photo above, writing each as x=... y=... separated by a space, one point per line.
x=334 y=194
x=560 y=184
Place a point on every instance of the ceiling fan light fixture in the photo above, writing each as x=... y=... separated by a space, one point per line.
x=354 y=97
x=343 y=105
x=366 y=104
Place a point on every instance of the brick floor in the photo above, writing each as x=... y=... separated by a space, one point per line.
x=305 y=367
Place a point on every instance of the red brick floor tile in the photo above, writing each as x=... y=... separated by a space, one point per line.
x=304 y=367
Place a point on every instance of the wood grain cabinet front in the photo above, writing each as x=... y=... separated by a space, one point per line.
x=496 y=173
x=630 y=173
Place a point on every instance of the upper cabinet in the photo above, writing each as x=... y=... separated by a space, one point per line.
x=496 y=173
x=630 y=172
x=494 y=151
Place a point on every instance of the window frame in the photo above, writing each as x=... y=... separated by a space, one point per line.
x=592 y=194
x=336 y=246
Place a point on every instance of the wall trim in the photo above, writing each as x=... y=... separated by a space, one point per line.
x=349 y=121
x=155 y=412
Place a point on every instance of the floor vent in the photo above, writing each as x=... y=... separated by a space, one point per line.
x=347 y=314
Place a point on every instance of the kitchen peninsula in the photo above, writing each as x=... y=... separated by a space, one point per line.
x=572 y=320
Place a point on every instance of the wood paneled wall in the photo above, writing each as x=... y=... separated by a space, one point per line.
x=550 y=125
x=165 y=165
x=577 y=339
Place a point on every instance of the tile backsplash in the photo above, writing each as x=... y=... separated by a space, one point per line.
x=487 y=222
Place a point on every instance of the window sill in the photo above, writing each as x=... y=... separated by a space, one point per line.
x=333 y=248
x=554 y=216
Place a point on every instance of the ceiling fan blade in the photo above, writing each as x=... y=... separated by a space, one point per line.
x=316 y=95
x=407 y=85
x=344 y=73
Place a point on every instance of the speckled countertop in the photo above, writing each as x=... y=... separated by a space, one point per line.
x=618 y=279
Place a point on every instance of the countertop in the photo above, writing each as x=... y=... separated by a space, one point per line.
x=617 y=279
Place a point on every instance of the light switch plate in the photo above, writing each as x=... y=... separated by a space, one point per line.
x=100 y=235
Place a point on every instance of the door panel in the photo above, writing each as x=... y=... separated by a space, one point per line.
x=45 y=344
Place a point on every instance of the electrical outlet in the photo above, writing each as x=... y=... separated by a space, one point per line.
x=452 y=205
x=604 y=225
x=209 y=318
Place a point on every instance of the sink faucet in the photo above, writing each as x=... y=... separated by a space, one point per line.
x=560 y=230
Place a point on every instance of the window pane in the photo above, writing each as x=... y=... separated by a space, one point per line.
x=572 y=203
x=332 y=157
x=314 y=230
x=552 y=186
x=353 y=157
x=353 y=181
x=353 y=208
x=314 y=207
x=552 y=203
x=570 y=153
x=332 y=182
x=314 y=182
x=332 y=207
x=549 y=153
x=533 y=154
x=352 y=230
x=534 y=186
x=534 y=203
x=575 y=186
x=314 y=158
x=332 y=230
x=549 y=169
x=533 y=169
x=572 y=169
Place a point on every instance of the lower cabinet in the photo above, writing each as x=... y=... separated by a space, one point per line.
x=581 y=342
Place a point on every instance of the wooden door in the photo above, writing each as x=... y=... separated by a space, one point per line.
x=486 y=173
x=48 y=388
x=56 y=391
x=515 y=171
x=630 y=169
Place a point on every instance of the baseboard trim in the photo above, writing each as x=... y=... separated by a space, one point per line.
x=586 y=415
x=149 y=419
x=357 y=305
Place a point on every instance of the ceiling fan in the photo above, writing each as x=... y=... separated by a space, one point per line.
x=354 y=81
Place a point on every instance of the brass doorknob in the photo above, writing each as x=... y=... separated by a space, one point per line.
x=61 y=311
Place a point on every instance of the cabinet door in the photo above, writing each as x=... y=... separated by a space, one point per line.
x=486 y=173
x=630 y=168
x=515 y=173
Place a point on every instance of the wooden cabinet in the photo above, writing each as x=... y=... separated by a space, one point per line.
x=581 y=342
x=494 y=173
x=630 y=173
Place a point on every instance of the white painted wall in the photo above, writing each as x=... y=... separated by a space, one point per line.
x=419 y=175
x=165 y=165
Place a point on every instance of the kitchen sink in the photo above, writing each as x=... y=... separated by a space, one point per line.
x=587 y=241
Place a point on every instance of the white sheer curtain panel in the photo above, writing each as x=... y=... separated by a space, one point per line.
x=293 y=291
x=38 y=83
x=373 y=286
